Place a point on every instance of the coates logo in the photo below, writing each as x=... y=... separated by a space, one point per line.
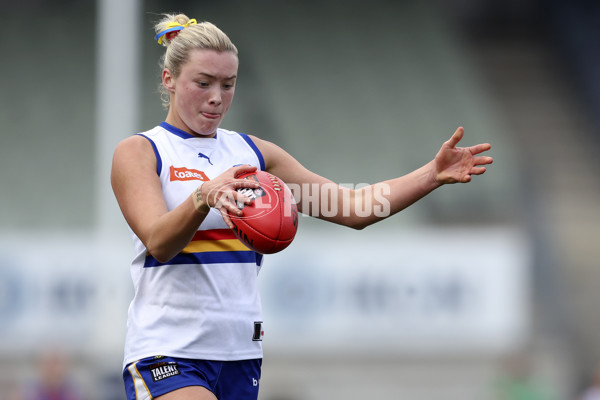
x=186 y=174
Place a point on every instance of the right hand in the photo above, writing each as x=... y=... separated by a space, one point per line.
x=221 y=193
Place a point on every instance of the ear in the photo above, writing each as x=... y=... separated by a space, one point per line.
x=168 y=80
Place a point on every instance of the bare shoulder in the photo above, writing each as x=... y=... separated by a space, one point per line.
x=134 y=150
x=283 y=165
x=272 y=153
x=134 y=160
x=135 y=144
x=263 y=145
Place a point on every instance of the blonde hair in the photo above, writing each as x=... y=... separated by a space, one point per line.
x=203 y=35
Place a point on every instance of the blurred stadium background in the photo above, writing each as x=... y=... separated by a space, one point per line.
x=480 y=291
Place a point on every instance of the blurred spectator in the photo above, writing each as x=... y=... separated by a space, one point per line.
x=53 y=381
x=518 y=382
x=593 y=391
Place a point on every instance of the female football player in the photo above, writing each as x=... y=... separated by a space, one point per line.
x=194 y=326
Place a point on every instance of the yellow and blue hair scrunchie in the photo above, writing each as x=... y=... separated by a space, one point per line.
x=173 y=27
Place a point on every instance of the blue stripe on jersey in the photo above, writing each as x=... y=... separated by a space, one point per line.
x=158 y=159
x=256 y=150
x=208 y=257
x=179 y=132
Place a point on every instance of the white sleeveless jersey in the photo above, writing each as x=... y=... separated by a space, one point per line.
x=203 y=303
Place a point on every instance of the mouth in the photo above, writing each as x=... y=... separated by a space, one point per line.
x=210 y=115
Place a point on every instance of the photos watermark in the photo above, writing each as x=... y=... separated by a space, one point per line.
x=330 y=199
x=326 y=200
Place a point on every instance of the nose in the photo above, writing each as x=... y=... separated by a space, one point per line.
x=215 y=97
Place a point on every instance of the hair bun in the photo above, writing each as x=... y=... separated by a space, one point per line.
x=169 y=27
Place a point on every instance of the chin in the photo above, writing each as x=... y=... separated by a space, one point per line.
x=206 y=131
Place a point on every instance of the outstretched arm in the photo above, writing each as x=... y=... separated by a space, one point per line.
x=362 y=207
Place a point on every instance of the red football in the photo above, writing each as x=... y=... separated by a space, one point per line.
x=269 y=224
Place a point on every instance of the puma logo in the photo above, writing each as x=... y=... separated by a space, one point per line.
x=201 y=155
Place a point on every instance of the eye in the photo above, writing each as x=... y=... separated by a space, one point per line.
x=228 y=86
x=202 y=84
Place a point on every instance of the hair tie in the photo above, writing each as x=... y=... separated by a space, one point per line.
x=172 y=30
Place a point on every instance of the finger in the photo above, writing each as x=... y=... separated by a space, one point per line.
x=232 y=208
x=478 y=170
x=226 y=202
x=245 y=183
x=480 y=148
x=482 y=160
x=244 y=196
x=242 y=169
x=456 y=137
x=227 y=219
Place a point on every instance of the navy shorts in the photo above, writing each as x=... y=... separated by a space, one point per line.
x=228 y=380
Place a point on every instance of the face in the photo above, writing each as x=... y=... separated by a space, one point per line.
x=202 y=93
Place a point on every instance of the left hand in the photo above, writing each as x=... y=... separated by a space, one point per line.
x=457 y=164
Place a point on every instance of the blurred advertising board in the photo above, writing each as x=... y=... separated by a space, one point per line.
x=415 y=291
x=332 y=291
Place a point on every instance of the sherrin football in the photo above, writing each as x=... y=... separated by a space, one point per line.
x=269 y=224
